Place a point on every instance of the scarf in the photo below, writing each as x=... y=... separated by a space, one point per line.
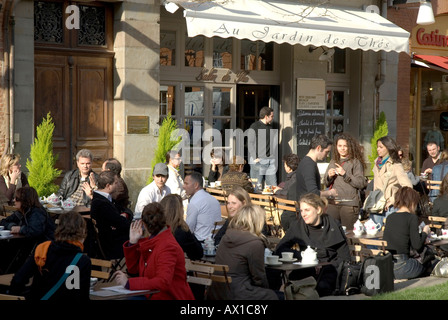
x=40 y=255
x=380 y=162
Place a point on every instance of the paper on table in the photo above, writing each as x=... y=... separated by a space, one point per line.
x=122 y=290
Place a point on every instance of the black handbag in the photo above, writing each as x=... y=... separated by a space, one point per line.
x=347 y=282
x=377 y=274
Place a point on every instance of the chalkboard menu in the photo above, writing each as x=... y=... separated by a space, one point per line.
x=310 y=113
x=308 y=124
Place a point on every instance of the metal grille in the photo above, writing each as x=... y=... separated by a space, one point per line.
x=92 y=30
x=48 y=22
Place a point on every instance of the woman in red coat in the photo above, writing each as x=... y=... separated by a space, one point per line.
x=157 y=260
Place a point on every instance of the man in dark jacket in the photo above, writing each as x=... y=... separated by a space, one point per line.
x=74 y=182
x=113 y=227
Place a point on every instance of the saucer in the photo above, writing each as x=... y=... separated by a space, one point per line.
x=288 y=260
x=307 y=264
x=274 y=264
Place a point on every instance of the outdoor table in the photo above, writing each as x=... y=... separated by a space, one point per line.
x=111 y=291
x=14 y=239
x=286 y=268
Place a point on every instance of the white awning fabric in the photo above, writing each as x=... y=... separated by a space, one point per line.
x=293 y=23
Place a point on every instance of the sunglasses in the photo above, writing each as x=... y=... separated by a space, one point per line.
x=17 y=199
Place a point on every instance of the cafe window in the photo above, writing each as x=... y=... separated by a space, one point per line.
x=337 y=63
x=167 y=48
x=167 y=102
x=222 y=52
x=194 y=51
x=334 y=123
x=257 y=55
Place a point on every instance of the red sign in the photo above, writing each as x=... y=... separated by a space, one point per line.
x=431 y=39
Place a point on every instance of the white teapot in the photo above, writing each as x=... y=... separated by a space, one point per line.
x=68 y=204
x=309 y=256
x=372 y=227
x=358 y=228
x=53 y=199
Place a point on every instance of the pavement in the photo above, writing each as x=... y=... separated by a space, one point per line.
x=398 y=285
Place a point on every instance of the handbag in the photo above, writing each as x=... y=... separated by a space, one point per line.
x=377 y=274
x=63 y=278
x=304 y=289
x=347 y=281
x=375 y=201
x=441 y=268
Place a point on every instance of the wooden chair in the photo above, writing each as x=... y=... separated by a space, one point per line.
x=433 y=184
x=219 y=195
x=437 y=222
x=268 y=204
x=105 y=272
x=218 y=224
x=220 y=273
x=11 y=297
x=360 y=248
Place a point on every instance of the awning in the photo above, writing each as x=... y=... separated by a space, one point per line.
x=437 y=60
x=294 y=23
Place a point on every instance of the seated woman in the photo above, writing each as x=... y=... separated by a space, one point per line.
x=242 y=249
x=174 y=214
x=12 y=178
x=50 y=260
x=218 y=167
x=236 y=177
x=402 y=234
x=290 y=163
x=236 y=199
x=30 y=219
x=157 y=261
x=323 y=233
x=440 y=205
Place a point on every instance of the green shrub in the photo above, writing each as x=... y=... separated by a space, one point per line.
x=165 y=142
x=381 y=130
x=42 y=172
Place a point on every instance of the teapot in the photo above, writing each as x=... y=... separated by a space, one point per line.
x=309 y=255
x=68 y=204
x=372 y=227
x=358 y=228
x=53 y=199
x=209 y=247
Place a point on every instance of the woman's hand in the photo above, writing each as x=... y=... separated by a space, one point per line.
x=136 y=231
x=332 y=172
x=14 y=175
x=15 y=229
x=120 y=278
x=339 y=170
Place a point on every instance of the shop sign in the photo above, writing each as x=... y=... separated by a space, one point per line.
x=432 y=38
x=215 y=75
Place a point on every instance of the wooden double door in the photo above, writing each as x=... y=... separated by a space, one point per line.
x=78 y=91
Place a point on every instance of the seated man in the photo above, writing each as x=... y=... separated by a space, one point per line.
x=434 y=158
x=155 y=191
x=203 y=210
x=77 y=184
x=236 y=177
x=113 y=227
x=291 y=161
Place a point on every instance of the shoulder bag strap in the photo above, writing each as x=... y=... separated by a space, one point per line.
x=64 y=276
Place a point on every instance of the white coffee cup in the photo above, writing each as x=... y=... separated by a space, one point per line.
x=5 y=233
x=212 y=184
x=272 y=259
x=218 y=183
x=287 y=255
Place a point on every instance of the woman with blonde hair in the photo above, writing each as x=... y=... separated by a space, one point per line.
x=242 y=249
x=12 y=178
x=236 y=199
x=314 y=228
x=174 y=214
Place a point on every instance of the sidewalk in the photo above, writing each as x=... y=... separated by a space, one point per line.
x=399 y=285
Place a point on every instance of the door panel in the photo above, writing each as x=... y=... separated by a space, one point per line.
x=51 y=88
x=79 y=97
